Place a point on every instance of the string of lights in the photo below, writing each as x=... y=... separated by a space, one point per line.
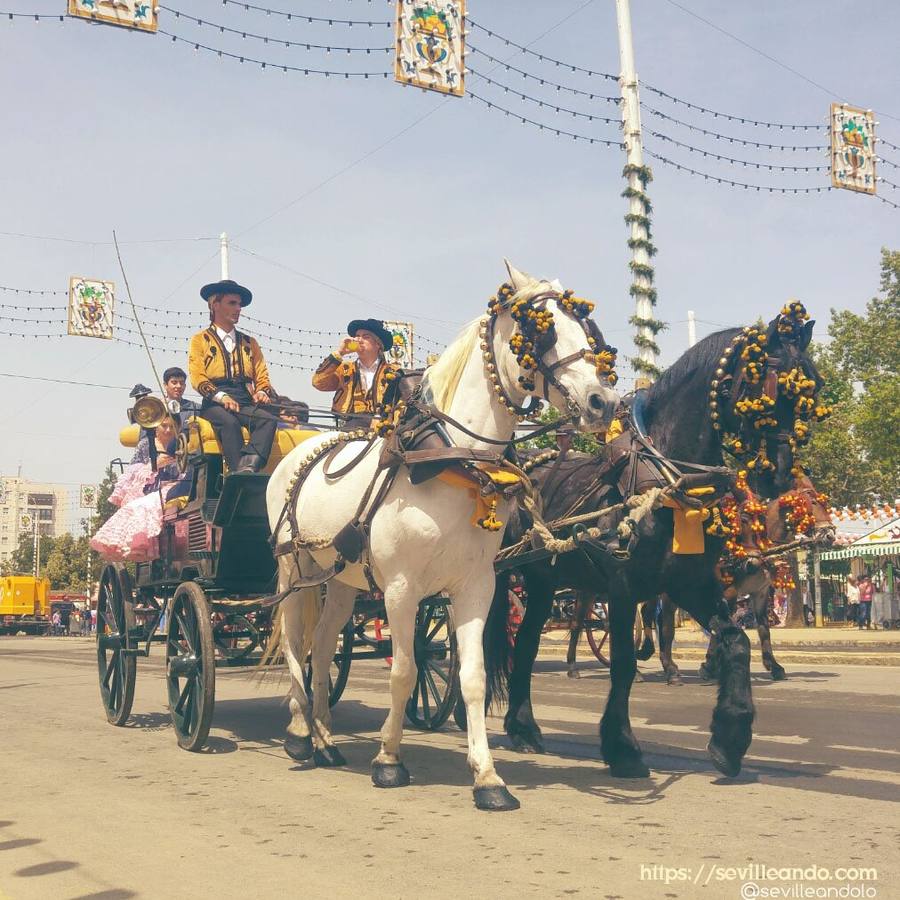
x=881 y=140
x=32 y=291
x=744 y=120
x=562 y=64
x=559 y=132
x=888 y=202
x=280 y=363
x=546 y=82
x=37 y=17
x=890 y=184
x=772 y=189
x=269 y=39
x=542 y=57
x=888 y=162
x=300 y=17
x=772 y=167
x=543 y=103
x=732 y=140
x=265 y=64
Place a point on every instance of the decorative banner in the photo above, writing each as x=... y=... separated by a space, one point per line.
x=91 y=308
x=25 y=522
x=852 y=148
x=88 y=496
x=402 y=350
x=130 y=13
x=431 y=45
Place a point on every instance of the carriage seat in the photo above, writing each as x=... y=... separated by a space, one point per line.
x=202 y=439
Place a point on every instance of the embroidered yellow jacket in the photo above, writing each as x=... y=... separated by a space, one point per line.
x=210 y=364
x=351 y=398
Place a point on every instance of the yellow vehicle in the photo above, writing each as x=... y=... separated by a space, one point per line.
x=24 y=604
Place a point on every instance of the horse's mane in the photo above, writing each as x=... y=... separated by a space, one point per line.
x=442 y=379
x=699 y=358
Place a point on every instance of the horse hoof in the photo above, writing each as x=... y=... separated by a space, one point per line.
x=638 y=678
x=573 y=673
x=527 y=743
x=722 y=761
x=705 y=674
x=298 y=748
x=329 y=758
x=646 y=651
x=495 y=798
x=632 y=767
x=675 y=679
x=389 y=775
x=778 y=674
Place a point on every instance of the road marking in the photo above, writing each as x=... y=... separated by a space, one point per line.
x=863 y=749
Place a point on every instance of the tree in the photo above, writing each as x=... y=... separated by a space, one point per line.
x=855 y=456
x=104 y=509
x=586 y=443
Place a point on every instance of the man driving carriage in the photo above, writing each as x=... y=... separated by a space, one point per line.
x=228 y=370
x=360 y=385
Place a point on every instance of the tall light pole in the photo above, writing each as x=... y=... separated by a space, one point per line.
x=645 y=361
x=223 y=254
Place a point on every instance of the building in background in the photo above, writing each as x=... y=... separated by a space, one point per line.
x=48 y=504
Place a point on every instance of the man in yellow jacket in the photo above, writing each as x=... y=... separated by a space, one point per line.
x=359 y=385
x=228 y=370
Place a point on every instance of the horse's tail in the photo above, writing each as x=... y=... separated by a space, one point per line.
x=294 y=624
x=497 y=650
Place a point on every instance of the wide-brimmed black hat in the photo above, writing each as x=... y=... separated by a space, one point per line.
x=227 y=287
x=376 y=326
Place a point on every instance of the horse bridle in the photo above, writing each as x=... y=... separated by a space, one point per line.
x=543 y=344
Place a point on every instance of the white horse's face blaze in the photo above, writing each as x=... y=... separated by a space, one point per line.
x=595 y=402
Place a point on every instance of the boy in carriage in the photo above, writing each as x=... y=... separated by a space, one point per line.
x=228 y=370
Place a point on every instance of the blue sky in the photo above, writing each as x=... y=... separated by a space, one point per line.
x=407 y=201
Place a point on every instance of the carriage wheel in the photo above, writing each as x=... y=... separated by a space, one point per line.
x=339 y=669
x=235 y=635
x=596 y=625
x=117 y=669
x=190 y=666
x=437 y=683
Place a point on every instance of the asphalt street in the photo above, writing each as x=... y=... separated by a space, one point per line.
x=89 y=810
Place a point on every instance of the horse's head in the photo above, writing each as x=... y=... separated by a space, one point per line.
x=770 y=386
x=795 y=381
x=800 y=512
x=539 y=340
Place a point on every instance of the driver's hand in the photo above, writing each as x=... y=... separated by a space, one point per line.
x=260 y=397
x=230 y=404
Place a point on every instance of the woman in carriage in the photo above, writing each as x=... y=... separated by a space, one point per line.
x=141 y=494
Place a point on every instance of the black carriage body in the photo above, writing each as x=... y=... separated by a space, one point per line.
x=220 y=538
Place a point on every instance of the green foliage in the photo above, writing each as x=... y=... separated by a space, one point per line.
x=655 y=325
x=104 y=508
x=855 y=456
x=63 y=561
x=586 y=443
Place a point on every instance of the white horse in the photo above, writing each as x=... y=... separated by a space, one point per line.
x=422 y=541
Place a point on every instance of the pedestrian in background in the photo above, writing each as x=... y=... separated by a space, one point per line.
x=852 y=599
x=866 y=595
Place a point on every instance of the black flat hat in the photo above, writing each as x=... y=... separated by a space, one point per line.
x=376 y=326
x=227 y=287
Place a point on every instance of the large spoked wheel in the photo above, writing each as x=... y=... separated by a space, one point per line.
x=117 y=668
x=190 y=666
x=437 y=682
x=339 y=670
x=596 y=626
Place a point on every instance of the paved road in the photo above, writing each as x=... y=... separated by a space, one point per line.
x=88 y=810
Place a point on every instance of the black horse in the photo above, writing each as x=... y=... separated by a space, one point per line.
x=678 y=420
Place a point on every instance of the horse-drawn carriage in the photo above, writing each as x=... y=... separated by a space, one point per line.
x=208 y=596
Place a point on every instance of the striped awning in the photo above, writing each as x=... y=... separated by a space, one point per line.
x=886 y=548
